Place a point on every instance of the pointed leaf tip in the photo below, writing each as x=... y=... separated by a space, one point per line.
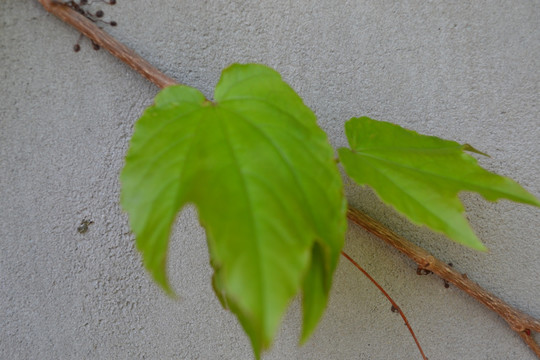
x=470 y=148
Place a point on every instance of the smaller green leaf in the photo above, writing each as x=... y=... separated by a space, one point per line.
x=420 y=176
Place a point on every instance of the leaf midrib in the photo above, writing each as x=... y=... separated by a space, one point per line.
x=253 y=223
x=411 y=197
x=468 y=186
x=283 y=157
x=435 y=149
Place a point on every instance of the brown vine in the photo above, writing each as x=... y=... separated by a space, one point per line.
x=518 y=321
x=395 y=306
x=99 y=37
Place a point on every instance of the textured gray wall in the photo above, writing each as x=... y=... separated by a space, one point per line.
x=469 y=72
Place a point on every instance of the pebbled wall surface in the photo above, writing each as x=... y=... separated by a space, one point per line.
x=467 y=71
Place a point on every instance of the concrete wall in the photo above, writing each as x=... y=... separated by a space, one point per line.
x=467 y=71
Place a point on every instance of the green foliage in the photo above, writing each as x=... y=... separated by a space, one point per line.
x=263 y=178
x=421 y=175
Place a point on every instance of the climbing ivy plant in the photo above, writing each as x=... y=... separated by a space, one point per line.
x=264 y=180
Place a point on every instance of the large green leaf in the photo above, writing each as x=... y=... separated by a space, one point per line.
x=262 y=176
x=421 y=175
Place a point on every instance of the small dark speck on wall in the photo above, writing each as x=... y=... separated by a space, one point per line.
x=83 y=227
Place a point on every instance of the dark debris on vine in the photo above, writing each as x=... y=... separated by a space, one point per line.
x=83 y=7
